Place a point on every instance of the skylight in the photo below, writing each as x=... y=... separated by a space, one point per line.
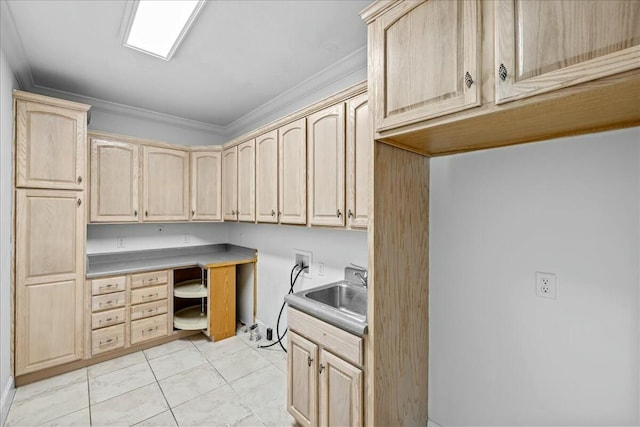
x=158 y=26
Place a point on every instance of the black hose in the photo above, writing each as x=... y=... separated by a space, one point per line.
x=292 y=282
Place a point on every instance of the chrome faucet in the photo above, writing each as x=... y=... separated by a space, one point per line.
x=363 y=274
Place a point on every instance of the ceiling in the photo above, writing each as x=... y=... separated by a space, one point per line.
x=237 y=56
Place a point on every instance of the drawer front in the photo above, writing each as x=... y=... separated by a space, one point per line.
x=107 y=339
x=105 y=302
x=105 y=286
x=149 y=279
x=107 y=318
x=147 y=329
x=149 y=309
x=336 y=340
x=152 y=293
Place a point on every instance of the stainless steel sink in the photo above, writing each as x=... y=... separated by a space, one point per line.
x=347 y=297
x=342 y=303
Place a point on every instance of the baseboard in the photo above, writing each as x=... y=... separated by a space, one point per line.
x=431 y=423
x=7 y=398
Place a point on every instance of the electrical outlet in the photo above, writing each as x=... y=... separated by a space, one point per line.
x=304 y=258
x=120 y=243
x=546 y=285
x=160 y=228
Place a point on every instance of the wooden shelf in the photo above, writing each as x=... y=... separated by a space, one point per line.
x=190 y=319
x=190 y=289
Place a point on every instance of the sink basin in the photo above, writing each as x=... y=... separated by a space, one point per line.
x=342 y=304
x=350 y=299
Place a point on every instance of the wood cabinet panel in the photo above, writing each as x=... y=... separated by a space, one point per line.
x=341 y=392
x=108 y=301
x=359 y=147
x=545 y=45
x=107 y=285
x=50 y=146
x=292 y=171
x=114 y=181
x=326 y=139
x=247 y=181
x=267 y=177
x=107 y=339
x=165 y=184
x=49 y=325
x=107 y=318
x=230 y=184
x=222 y=302
x=149 y=328
x=148 y=294
x=141 y=311
x=409 y=83
x=151 y=278
x=206 y=186
x=302 y=366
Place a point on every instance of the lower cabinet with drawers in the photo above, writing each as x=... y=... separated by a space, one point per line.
x=325 y=373
x=128 y=310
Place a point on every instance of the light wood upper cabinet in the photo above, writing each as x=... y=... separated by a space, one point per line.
x=50 y=231
x=326 y=138
x=424 y=61
x=247 y=181
x=359 y=147
x=302 y=391
x=544 y=45
x=206 y=186
x=292 y=165
x=165 y=184
x=230 y=184
x=267 y=177
x=341 y=392
x=50 y=143
x=114 y=181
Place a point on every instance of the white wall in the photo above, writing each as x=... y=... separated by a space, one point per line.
x=7 y=84
x=499 y=355
x=102 y=238
x=276 y=246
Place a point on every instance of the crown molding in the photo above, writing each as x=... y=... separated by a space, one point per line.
x=13 y=48
x=129 y=111
x=344 y=67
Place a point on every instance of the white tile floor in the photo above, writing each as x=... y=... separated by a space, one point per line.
x=189 y=382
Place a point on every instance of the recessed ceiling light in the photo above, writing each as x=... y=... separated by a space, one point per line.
x=158 y=26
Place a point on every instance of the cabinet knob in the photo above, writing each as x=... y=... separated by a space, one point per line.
x=79 y=202
x=468 y=80
x=273 y=213
x=79 y=180
x=339 y=214
x=349 y=213
x=135 y=213
x=146 y=213
x=309 y=360
x=502 y=72
x=321 y=368
x=193 y=213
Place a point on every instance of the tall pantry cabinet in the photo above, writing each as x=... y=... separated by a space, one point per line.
x=50 y=224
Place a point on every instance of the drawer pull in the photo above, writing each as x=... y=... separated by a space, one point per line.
x=109 y=286
x=150 y=330
x=151 y=310
x=153 y=279
x=108 y=319
x=108 y=342
x=110 y=302
x=150 y=296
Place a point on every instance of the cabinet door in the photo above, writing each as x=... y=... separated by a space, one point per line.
x=230 y=183
x=302 y=376
x=247 y=181
x=325 y=133
x=50 y=146
x=425 y=61
x=267 y=177
x=50 y=231
x=222 y=302
x=114 y=181
x=359 y=146
x=544 y=45
x=340 y=392
x=292 y=170
x=206 y=186
x=165 y=184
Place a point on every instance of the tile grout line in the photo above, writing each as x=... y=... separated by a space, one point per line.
x=89 y=397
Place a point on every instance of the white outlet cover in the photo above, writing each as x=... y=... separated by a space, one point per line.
x=546 y=285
